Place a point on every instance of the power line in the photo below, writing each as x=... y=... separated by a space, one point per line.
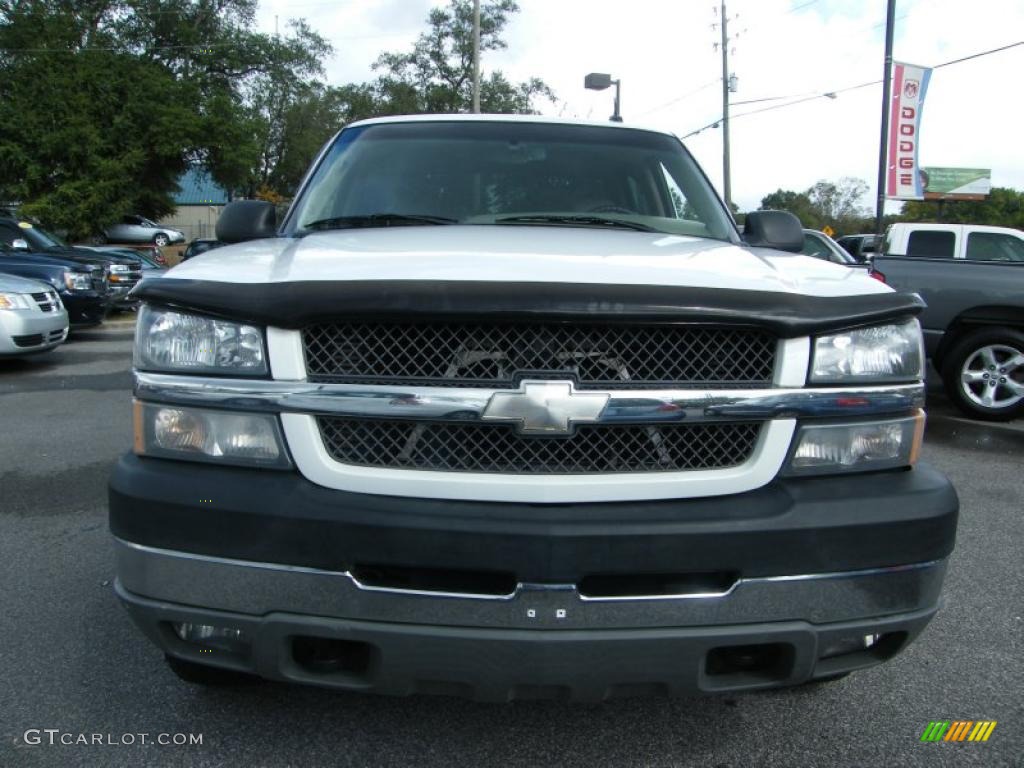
x=833 y=94
x=677 y=99
x=686 y=95
x=977 y=55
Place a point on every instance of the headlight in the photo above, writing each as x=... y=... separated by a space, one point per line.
x=174 y=341
x=859 y=447
x=199 y=434
x=118 y=268
x=880 y=353
x=14 y=301
x=77 y=281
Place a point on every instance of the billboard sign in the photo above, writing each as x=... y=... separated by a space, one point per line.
x=956 y=183
x=910 y=84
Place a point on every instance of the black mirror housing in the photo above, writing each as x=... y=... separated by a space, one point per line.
x=774 y=229
x=247 y=220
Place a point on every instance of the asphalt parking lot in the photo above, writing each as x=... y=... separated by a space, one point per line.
x=72 y=661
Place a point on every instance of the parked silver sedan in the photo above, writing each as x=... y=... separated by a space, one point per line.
x=32 y=317
x=139 y=229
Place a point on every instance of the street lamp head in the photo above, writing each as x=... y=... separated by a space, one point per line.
x=598 y=81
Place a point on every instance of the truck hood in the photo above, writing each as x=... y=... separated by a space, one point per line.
x=524 y=274
x=530 y=254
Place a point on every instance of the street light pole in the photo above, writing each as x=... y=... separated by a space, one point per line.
x=476 y=56
x=726 y=182
x=617 y=114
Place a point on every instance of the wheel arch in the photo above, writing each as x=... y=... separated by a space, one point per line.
x=977 y=317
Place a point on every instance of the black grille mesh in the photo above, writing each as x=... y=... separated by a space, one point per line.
x=454 y=447
x=476 y=354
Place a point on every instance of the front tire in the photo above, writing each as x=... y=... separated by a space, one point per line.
x=160 y=240
x=984 y=374
x=200 y=674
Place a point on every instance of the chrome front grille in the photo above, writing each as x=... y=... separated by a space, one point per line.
x=46 y=301
x=600 y=448
x=496 y=355
x=99 y=279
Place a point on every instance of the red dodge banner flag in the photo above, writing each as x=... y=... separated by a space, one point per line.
x=908 y=89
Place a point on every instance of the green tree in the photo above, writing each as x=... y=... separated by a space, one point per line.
x=86 y=137
x=437 y=74
x=106 y=102
x=797 y=203
x=1003 y=207
x=839 y=204
x=836 y=204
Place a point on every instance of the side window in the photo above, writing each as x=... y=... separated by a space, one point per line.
x=130 y=220
x=8 y=235
x=814 y=247
x=679 y=204
x=994 y=246
x=936 y=244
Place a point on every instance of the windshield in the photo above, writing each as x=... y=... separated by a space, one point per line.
x=41 y=239
x=508 y=173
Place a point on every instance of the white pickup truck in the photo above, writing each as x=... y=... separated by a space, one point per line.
x=508 y=408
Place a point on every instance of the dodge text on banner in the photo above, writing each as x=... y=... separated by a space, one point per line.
x=908 y=90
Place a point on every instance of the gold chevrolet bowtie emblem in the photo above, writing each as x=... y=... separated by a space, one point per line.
x=545 y=407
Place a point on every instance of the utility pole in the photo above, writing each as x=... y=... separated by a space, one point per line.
x=476 y=56
x=726 y=182
x=890 y=22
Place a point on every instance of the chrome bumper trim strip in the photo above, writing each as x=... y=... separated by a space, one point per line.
x=258 y=588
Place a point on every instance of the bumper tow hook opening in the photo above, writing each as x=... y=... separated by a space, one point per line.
x=765 y=661
x=332 y=656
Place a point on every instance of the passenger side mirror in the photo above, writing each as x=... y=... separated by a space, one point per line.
x=247 y=220
x=19 y=244
x=774 y=229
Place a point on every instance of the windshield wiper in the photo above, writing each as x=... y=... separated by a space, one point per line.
x=579 y=221
x=377 y=220
x=584 y=221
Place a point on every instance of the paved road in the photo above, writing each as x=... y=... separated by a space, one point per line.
x=70 y=659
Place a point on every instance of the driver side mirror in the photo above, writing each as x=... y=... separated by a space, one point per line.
x=247 y=220
x=774 y=229
x=19 y=244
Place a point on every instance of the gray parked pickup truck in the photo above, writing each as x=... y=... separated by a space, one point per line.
x=972 y=278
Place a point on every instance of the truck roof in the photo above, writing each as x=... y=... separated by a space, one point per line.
x=503 y=118
x=946 y=226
